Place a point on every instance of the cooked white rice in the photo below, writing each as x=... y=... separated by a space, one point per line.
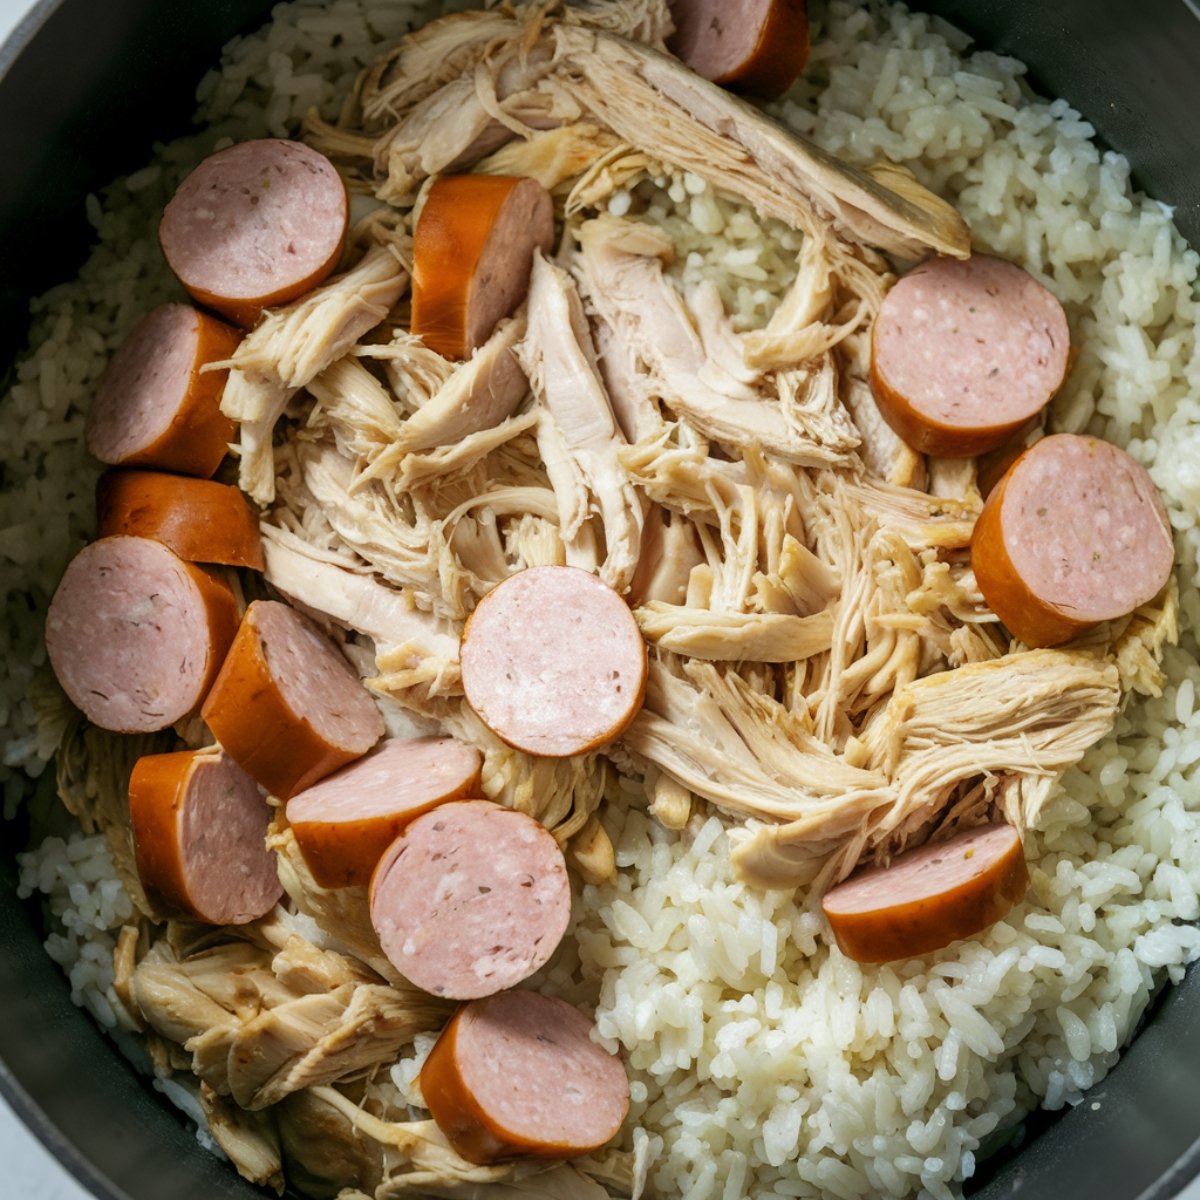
x=763 y=1062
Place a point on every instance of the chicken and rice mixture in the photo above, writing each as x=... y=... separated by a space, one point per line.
x=827 y=686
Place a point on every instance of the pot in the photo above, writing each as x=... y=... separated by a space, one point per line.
x=84 y=89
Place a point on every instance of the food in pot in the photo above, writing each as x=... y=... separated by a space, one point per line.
x=677 y=416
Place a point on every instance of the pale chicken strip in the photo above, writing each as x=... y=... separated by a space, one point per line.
x=560 y=361
x=1029 y=715
x=734 y=637
x=551 y=156
x=292 y=346
x=620 y=265
x=251 y=1140
x=356 y=601
x=655 y=103
x=479 y=394
x=742 y=751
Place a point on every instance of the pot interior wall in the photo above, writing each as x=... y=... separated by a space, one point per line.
x=82 y=103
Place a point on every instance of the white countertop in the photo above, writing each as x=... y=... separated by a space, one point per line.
x=29 y=1170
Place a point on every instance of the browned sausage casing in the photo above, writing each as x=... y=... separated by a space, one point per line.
x=136 y=635
x=1074 y=534
x=518 y=1074
x=755 y=46
x=199 y=838
x=155 y=405
x=200 y=520
x=553 y=662
x=287 y=705
x=344 y=824
x=929 y=897
x=470 y=899
x=255 y=225
x=964 y=352
x=472 y=256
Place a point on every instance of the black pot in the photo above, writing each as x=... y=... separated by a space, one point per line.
x=85 y=86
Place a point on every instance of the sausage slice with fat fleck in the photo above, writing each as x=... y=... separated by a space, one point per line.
x=287 y=705
x=553 y=662
x=472 y=256
x=964 y=352
x=929 y=897
x=1074 y=534
x=199 y=837
x=136 y=635
x=257 y=224
x=200 y=520
x=155 y=405
x=519 y=1074
x=470 y=899
x=344 y=824
x=755 y=46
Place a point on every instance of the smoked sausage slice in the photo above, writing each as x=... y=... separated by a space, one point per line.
x=470 y=899
x=154 y=405
x=200 y=520
x=344 y=824
x=755 y=46
x=553 y=662
x=255 y=225
x=136 y=635
x=199 y=838
x=929 y=897
x=472 y=256
x=1074 y=534
x=965 y=352
x=287 y=705
x=518 y=1074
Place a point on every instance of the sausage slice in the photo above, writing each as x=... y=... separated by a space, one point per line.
x=154 y=405
x=200 y=520
x=1074 y=534
x=553 y=662
x=965 y=352
x=254 y=225
x=136 y=635
x=755 y=46
x=518 y=1074
x=470 y=899
x=472 y=255
x=199 y=838
x=929 y=897
x=287 y=705
x=344 y=824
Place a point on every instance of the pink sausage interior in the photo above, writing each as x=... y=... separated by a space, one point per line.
x=127 y=634
x=254 y=219
x=923 y=874
x=501 y=279
x=531 y=1065
x=229 y=872
x=973 y=343
x=145 y=384
x=398 y=776
x=315 y=679
x=553 y=660
x=1085 y=528
x=471 y=899
x=715 y=37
